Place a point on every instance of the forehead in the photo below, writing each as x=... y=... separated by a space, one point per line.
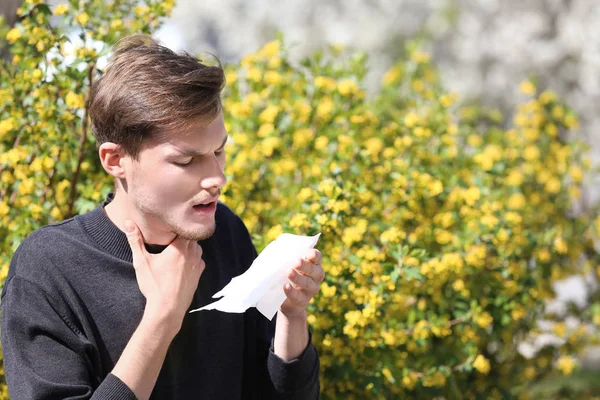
x=195 y=136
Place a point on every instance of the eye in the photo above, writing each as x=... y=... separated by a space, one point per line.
x=183 y=164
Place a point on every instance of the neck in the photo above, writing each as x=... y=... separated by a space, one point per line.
x=121 y=208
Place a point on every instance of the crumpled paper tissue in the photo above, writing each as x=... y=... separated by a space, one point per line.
x=261 y=286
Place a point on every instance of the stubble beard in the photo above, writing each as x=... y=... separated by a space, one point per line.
x=148 y=208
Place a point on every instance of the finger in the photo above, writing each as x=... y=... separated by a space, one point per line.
x=134 y=238
x=179 y=245
x=319 y=274
x=197 y=253
x=315 y=271
x=296 y=296
x=304 y=267
x=303 y=282
x=314 y=256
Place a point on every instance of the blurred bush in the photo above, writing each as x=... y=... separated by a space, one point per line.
x=443 y=232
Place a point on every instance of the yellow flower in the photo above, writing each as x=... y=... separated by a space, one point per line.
x=274 y=62
x=302 y=137
x=560 y=245
x=411 y=119
x=553 y=185
x=273 y=78
x=374 y=145
x=437 y=379
x=325 y=108
x=471 y=195
x=13 y=35
x=514 y=178
x=328 y=291
x=575 y=171
x=393 y=235
x=116 y=24
x=274 y=232
x=458 y=285
x=527 y=87
x=409 y=380
x=420 y=57
x=517 y=313
x=443 y=236
x=254 y=74
x=489 y=220
x=231 y=77
x=566 y=364
x=298 y=220
x=392 y=75
x=435 y=187
x=269 y=145
x=448 y=99
x=74 y=100
x=516 y=201
x=571 y=121
x=61 y=9
x=36 y=165
x=83 y=18
x=240 y=110
x=547 y=96
x=6 y=126
x=270 y=49
x=502 y=235
x=322 y=141
x=484 y=319
x=559 y=329
x=269 y=114
x=325 y=82
x=482 y=364
x=265 y=130
x=302 y=110
x=531 y=153
x=56 y=214
x=347 y=87
x=388 y=374
x=4 y=209
x=27 y=186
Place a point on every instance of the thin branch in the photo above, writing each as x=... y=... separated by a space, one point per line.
x=82 y=140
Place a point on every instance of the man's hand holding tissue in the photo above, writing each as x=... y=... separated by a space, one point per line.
x=291 y=333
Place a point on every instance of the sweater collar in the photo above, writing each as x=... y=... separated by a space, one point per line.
x=108 y=236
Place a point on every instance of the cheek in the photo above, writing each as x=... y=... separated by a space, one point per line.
x=163 y=183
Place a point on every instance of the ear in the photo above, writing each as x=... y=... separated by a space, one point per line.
x=113 y=159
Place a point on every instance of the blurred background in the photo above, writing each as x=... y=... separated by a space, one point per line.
x=482 y=47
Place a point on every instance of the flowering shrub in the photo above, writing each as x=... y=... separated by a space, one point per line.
x=443 y=231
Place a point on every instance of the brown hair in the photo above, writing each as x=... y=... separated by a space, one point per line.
x=147 y=88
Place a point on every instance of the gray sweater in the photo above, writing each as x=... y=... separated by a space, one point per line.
x=71 y=303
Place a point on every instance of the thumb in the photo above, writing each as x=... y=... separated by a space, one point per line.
x=134 y=238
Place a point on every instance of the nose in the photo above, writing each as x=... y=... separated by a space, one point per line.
x=213 y=174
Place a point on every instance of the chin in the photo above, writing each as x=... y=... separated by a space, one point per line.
x=200 y=233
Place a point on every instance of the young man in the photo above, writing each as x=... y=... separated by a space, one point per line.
x=96 y=307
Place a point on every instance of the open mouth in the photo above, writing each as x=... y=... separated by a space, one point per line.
x=207 y=205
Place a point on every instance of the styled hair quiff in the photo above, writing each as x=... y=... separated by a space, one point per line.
x=147 y=88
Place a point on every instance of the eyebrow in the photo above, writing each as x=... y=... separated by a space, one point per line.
x=194 y=153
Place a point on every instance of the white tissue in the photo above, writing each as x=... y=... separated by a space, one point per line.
x=261 y=286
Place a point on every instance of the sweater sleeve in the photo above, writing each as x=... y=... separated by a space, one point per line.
x=45 y=355
x=298 y=378
x=278 y=379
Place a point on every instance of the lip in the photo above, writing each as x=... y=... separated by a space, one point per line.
x=210 y=209
x=208 y=200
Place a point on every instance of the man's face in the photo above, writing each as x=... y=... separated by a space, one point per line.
x=174 y=175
